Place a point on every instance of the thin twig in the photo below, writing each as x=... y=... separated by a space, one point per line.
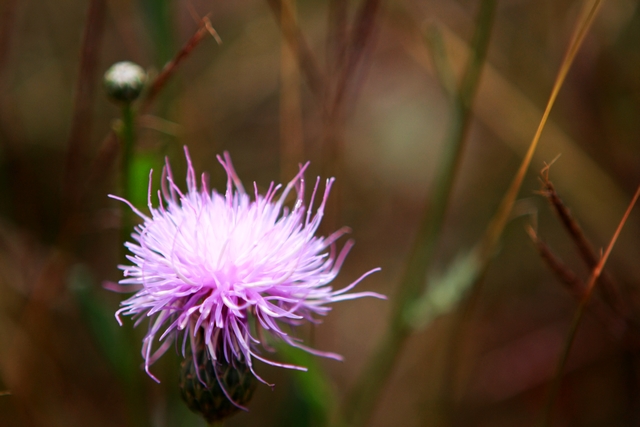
x=84 y=97
x=369 y=386
x=585 y=248
x=358 y=44
x=485 y=249
x=294 y=37
x=593 y=278
x=336 y=37
x=7 y=22
x=495 y=228
x=109 y=148
x=345 y=55
x=571 y=225
x=443 y=70
x=49 y=282
x=570 y=279
x=460 y=124
x=291 y=123
x=168 y=70
x=616 y=324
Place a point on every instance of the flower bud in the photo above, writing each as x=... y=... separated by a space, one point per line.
x=201 y=384
x=124 y=81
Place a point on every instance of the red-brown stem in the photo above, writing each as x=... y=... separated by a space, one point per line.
x=45 y=287
x=84 y=96
x=336 y=39
x=6 y=31
x=109 y=147
x=358 y=45
x=575 y=324
x=585 y=248
x=614 y=322
x=294 y=37
x=168 y=70
x=574 y=284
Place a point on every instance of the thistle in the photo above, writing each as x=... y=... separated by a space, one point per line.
x=214 y=271
x=214 y=390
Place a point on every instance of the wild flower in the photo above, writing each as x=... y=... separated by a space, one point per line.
x=223 y=268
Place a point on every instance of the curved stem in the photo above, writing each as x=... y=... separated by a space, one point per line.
x=363 y=397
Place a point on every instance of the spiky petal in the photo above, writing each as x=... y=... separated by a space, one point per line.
x=228 y=266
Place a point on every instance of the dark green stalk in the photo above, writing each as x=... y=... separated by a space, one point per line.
x=159 y=14
x=369 y=386
x=127 y=139
x=127 y=135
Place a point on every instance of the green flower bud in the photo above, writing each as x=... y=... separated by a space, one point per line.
x=124 y=81
x=201 y=384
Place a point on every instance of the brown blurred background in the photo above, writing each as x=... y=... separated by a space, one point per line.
x=64 y=360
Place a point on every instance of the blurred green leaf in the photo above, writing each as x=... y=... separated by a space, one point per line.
x=158 y=14
x=141 y=165
x=314 y=387
x=445 y=291
x=101 y=322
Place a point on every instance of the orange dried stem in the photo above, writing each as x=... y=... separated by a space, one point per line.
x=496 y=226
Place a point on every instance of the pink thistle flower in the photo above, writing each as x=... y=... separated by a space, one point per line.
x=229 y=267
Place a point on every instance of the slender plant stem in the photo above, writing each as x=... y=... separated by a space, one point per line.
x=49 y=281
x=291 y=126
x=108 y=151
x=7 y=24
x=585 y=248
x=571 y=335
x=359 y=41
x=293 y=35
x=349 y=55
x=336 y=38
x=127 y=136
x=169 y=68
x=367 y=390
x=486 y=248
x=127 y=139
x=82 y=112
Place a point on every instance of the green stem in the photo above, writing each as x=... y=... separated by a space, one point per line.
x=364 y=395
x=127 y=138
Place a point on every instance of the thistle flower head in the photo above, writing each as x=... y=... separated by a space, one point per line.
x=223 y=268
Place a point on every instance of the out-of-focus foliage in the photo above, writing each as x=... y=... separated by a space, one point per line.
x=65 y=361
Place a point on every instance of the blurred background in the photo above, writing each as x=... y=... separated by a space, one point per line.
x=368 y=96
